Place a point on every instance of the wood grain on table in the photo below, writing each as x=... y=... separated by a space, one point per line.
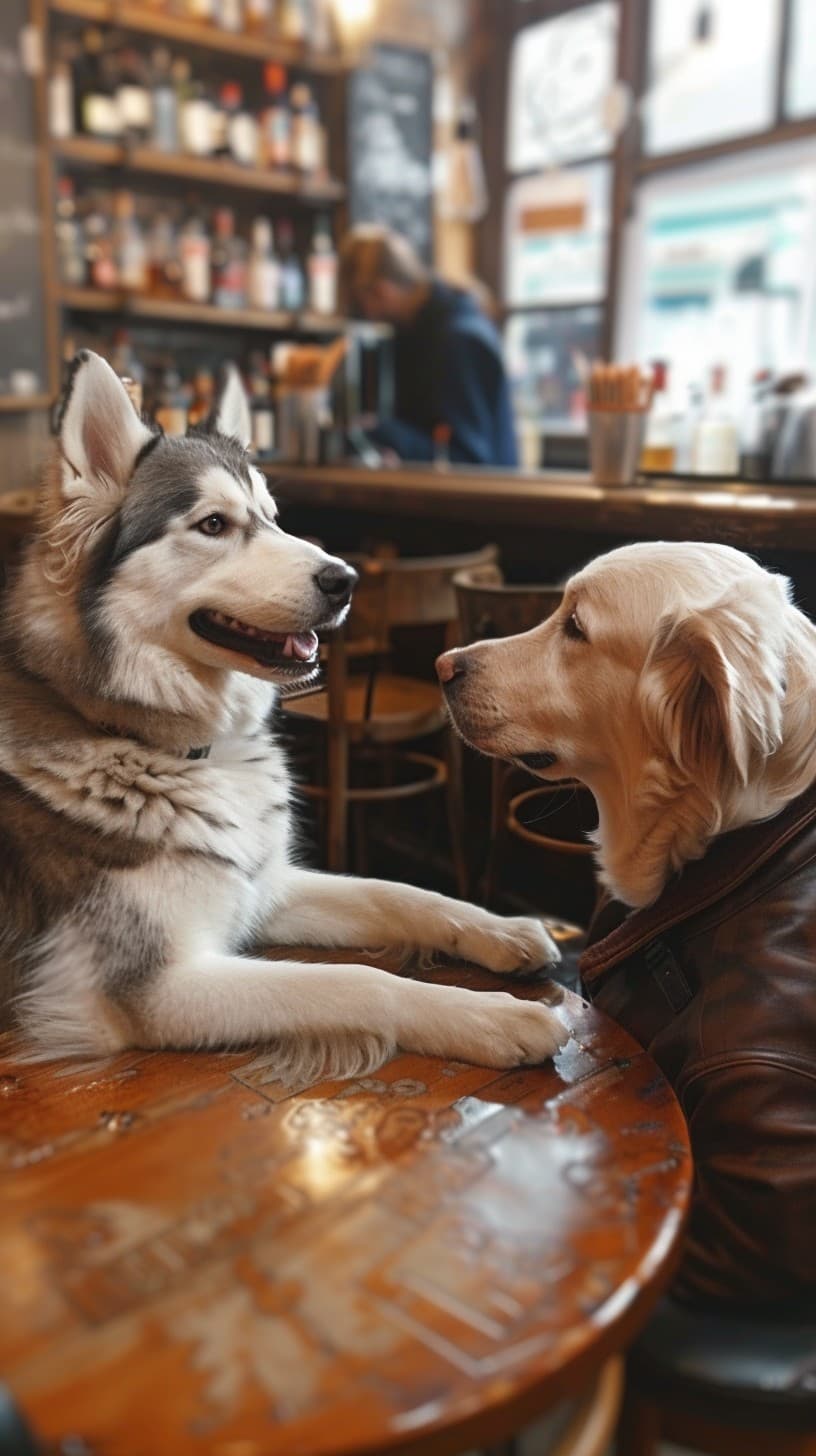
x=198 y=1259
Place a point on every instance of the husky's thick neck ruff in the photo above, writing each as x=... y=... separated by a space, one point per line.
x=191 y=753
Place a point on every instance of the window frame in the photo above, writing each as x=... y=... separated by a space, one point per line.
x=500 y=23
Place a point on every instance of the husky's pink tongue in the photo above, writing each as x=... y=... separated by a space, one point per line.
x=301 y=644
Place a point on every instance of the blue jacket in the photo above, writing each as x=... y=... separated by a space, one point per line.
x=449 y=370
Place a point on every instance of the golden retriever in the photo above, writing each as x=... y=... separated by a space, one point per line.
x=677 y=681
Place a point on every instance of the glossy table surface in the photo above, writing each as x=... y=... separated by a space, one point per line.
x=198 y=1259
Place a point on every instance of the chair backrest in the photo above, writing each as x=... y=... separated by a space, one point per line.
x=488 y=607
x=414 y=591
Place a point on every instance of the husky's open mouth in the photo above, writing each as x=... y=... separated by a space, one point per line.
x=292 y=653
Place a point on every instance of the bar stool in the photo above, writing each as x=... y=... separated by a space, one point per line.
x=731 y=1384
x=583 y=1426
x=489 y=607
x=371 y=719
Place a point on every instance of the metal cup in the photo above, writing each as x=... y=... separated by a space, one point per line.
x=615 y=445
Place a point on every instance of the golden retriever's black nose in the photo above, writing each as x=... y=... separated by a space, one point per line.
x=337 y=582
x=449 y=666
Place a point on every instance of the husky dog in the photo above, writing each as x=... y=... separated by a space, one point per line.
x=145 y=807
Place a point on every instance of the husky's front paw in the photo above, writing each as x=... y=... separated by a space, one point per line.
x=518 y=946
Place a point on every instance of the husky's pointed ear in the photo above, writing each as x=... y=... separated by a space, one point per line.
x=231 y=415
x=714 y=683
x=100 y=432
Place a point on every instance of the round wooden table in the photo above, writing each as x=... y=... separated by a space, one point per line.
x=198 y=1260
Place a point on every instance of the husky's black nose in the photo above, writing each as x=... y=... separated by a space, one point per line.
x=337 y=582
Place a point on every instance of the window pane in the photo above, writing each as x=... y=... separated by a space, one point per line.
x=545 y=353
x=556 y=237
x=712 y=69
x=561 y=72
x=800 y=82
x=719 y=269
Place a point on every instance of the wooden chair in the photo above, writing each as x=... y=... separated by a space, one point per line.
x=489 y=607
x=373 y=716
x=732 y=1384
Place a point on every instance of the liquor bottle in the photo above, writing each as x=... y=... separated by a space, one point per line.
x=129 y=247
x=306 y=143
x=242 y=128
x=716 y=441
x=100 y=112
x=124 y=362
x=61 y=101
x=165 y=103
x=264 y=269
x=322 y=269
x=292 y=21
x=261 y=411
x=203 y=400
x=86 y=67
x=203 y=10
x=195 y=255
x=229 y=262
x=133 y=97
x=322 y=37
x=258 y=16
x=164 y=268
x=229 y=15
x=196 y=120
x=292 y=283
x=172 y=407
x=276 y=118
x=659 y=451
x=100 y=263
x=69 y=235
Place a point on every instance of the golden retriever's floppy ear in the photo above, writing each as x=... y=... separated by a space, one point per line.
x=714 y=683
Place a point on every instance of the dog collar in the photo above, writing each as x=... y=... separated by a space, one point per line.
x=114 y=732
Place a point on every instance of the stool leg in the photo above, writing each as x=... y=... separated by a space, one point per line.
x=455 y=801
x=497 y=832
x=638 y=1430
x=337 y=813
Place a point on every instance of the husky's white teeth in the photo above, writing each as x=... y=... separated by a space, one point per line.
x=300 y=645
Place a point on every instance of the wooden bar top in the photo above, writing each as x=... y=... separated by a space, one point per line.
x=750 y=516
x=743 y=514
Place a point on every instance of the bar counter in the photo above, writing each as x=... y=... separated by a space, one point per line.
x=753 y=516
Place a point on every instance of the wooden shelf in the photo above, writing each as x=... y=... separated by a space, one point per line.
x=89 y=152
x=23 y=404
x=140 y=19
x=173 y=310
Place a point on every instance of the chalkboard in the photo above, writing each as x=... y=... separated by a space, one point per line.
x=390 y=141
x=22 y=311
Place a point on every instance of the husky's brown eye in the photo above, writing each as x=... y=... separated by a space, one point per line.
x=573 y=628
x=214 y=525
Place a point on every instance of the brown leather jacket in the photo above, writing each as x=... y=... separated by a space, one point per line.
x=718 y=981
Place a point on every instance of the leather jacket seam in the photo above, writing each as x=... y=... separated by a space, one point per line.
x=752 y=1059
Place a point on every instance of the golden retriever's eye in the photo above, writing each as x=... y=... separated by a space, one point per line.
x=214 y=525
x=573 y=628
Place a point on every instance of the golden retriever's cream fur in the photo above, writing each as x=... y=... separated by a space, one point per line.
x=677 y=681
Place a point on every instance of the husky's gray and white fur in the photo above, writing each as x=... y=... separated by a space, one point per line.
x=155 y=616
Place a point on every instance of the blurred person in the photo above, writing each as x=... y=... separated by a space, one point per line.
x=449 y=372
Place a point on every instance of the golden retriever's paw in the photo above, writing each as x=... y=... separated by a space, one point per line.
x=499 y=1031
x=517 y=946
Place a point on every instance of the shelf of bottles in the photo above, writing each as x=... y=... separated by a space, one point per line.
x=157 y=309
x=259 y=30
x=126 y=126
x=82 y=151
